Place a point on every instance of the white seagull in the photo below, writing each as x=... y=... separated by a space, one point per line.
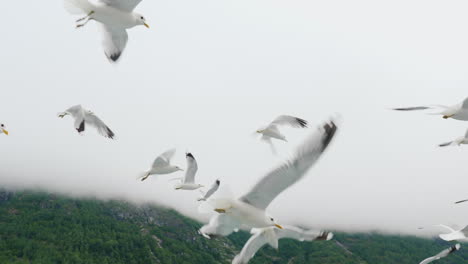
x=188 y=182
x=162 y=165
x=456 y=142
x=458 y=235
x=271 y=235
x=458 y=111
x=85 y=118
x=442 y=254
x=210 y=192
x=113 y=17
x=3 y=129
x=249 y=210
x=272 y=131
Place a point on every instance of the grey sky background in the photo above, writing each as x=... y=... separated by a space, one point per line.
x=208 y=73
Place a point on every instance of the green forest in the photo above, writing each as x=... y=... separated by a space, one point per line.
x=39 y=227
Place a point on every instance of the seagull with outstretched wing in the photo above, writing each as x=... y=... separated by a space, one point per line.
x=444 y=253
x=249 y=210
x=188 y=182
x=84 y=118
x=161 y=165
x=114 y=18
x=458 y=111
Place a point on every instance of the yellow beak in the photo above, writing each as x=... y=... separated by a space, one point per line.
x=278 y=226
x=146 y=25
x=4 y=131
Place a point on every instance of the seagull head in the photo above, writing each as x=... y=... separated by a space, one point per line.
x=140 y=20
x=271 y=222
x=3 y=130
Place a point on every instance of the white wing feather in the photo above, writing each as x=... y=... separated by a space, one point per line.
x=114 y=41
x=255 y=242
x=164 y=159
x=192 y=168
x=124 y=5
x=290 y=121
x=92 y=120
x=444 y=253
x=465 y=103
x=278 y=180
x=214 y=187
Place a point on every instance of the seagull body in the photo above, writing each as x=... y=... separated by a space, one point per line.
x=162 y=165
x=3 y=129
x=188 y=182
x=85 y=118
x=457 y=142
x=458 y=111
x=249 y=210
x=271 y=235
x=444 y=253
x=114 y=17
x=458 y=235
x=272 y=131
x=210 y=192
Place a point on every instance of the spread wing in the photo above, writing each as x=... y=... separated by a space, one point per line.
x=255 y=242
x=114 y=41
x=164 y=159
x=465 y=103
x=92 y=120
x=279 y=179
x=192 y=168
x=290 y=121
x=454 y=235
x=302 y=235
x=212 y=189
x=219 y=225
x=444 y=253
x=412 y=108
x=124 y=5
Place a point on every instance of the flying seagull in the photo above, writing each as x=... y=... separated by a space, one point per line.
x=3 y=129
x=113 y=17
x=458 y=235
x=85 y=118
x=162 y=165
x=456 y=142
x=249 y=210
x=271 y=235
x=458 y=111
x=272 y=131
x=444 y=253
x=188 y=182
x=210 y=192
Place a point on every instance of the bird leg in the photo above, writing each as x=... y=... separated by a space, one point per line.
x=86 y=20
x=447 y=116
x=87 y=16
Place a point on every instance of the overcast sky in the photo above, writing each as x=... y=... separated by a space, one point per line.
x=208 y=73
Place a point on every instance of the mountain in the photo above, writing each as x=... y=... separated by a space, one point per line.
x=38 y=227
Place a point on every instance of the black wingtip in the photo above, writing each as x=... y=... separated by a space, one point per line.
x=330 y=130
x=110 y=134
x=114 y=57
x=189 y=155
x=218 y=182
x=81 y=128
x=303 y=123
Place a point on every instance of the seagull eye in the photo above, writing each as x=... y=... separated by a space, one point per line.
x=2 y=125
x=271 y=219
x=142 y=18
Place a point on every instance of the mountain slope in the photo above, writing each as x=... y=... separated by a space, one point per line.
x=38 y=227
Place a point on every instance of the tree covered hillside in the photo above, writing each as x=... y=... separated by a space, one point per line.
x=37 y=227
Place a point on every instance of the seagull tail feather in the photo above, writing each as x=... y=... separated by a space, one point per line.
x=77 y=7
